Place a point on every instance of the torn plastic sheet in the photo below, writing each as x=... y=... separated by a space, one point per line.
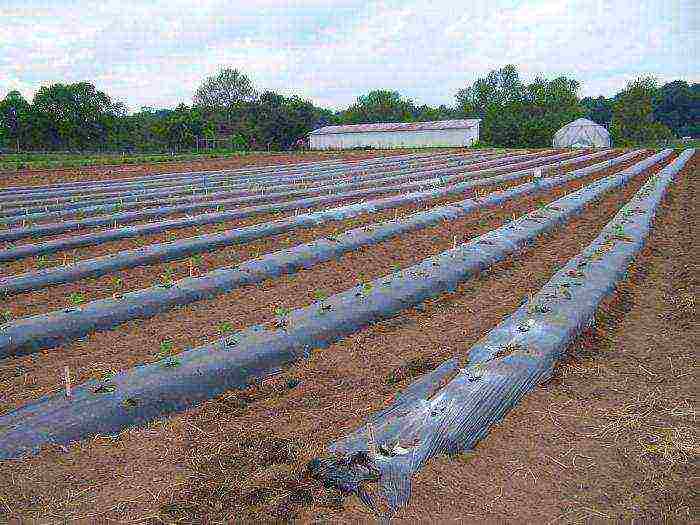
x=143 y=393
x=182 y=248
x=511 y=360
x=39 y=332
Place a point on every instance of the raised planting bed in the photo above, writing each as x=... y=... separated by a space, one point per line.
x=178 y=249
x=45 y=331
x=178 y=382
x=205 y=199
x=502 y=368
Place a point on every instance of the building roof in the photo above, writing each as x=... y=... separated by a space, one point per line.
x=399 y=126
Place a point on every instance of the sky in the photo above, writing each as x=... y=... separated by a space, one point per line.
x=157 y=52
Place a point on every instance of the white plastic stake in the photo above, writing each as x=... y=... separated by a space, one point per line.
x=371 y=444
x=66 y=378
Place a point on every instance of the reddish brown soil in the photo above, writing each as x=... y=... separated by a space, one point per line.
x=145 y=200
x=241 y=457
x=137 y=341
x=41 y=301
x=311 y=187
x=93 y=173
x=178 y=215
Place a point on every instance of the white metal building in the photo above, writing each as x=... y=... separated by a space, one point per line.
x=453 y=133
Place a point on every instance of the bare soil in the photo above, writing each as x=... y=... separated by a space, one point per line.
x=610 y=438
x=312 y=191
x=95 y=173
x=40 y=301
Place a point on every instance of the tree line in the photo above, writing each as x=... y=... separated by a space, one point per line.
x=228 y=107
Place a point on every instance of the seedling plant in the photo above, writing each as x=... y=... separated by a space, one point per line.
x=76 y=299
x=167 y=352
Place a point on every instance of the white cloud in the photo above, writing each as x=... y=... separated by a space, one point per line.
x=156 y=53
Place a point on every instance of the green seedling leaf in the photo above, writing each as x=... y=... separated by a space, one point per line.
x=166 y=352
x=167 y=278
x=76 y=299
x=225 y=327
x=320 y=295
x=42 y=261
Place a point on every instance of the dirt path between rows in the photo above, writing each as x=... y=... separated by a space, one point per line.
x=242 y=456
x=40 y=301
x=108 y=173
x=614 y=436
x=137 y=341
x=179 y=232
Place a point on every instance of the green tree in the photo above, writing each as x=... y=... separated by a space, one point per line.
x=515 y=114
x=74 y=116
x=15 y=121
x=677 y=106
x=599 y=109
x=379 y=106
x=179 y=129
x=225 y=98
x=282 y=121
x=633 y=119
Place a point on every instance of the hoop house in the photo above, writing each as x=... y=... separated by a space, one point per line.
x=582 y=133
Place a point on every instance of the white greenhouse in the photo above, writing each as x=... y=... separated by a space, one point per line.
x=582 y=133
x=450 y=133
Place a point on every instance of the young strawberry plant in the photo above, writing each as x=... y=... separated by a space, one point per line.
x=106 y=386
x=117 y=285
x=167 y=278
x=281 y=316
x=194 y=262
x=42 y=261
x=224 y=328
x=167 y=351
x=76 y=299
x=321 y=296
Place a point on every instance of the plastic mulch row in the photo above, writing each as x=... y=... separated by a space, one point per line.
x=210 y=183
x=335 y=193
x=193 y=202
x=39 y=332
x=173 y=384
x=506 y=364
x=163 y=252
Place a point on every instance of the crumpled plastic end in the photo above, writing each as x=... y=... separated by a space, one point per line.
x=353 y=473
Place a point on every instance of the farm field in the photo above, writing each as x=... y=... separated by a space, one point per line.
x=57 y=168
x=218 y=342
